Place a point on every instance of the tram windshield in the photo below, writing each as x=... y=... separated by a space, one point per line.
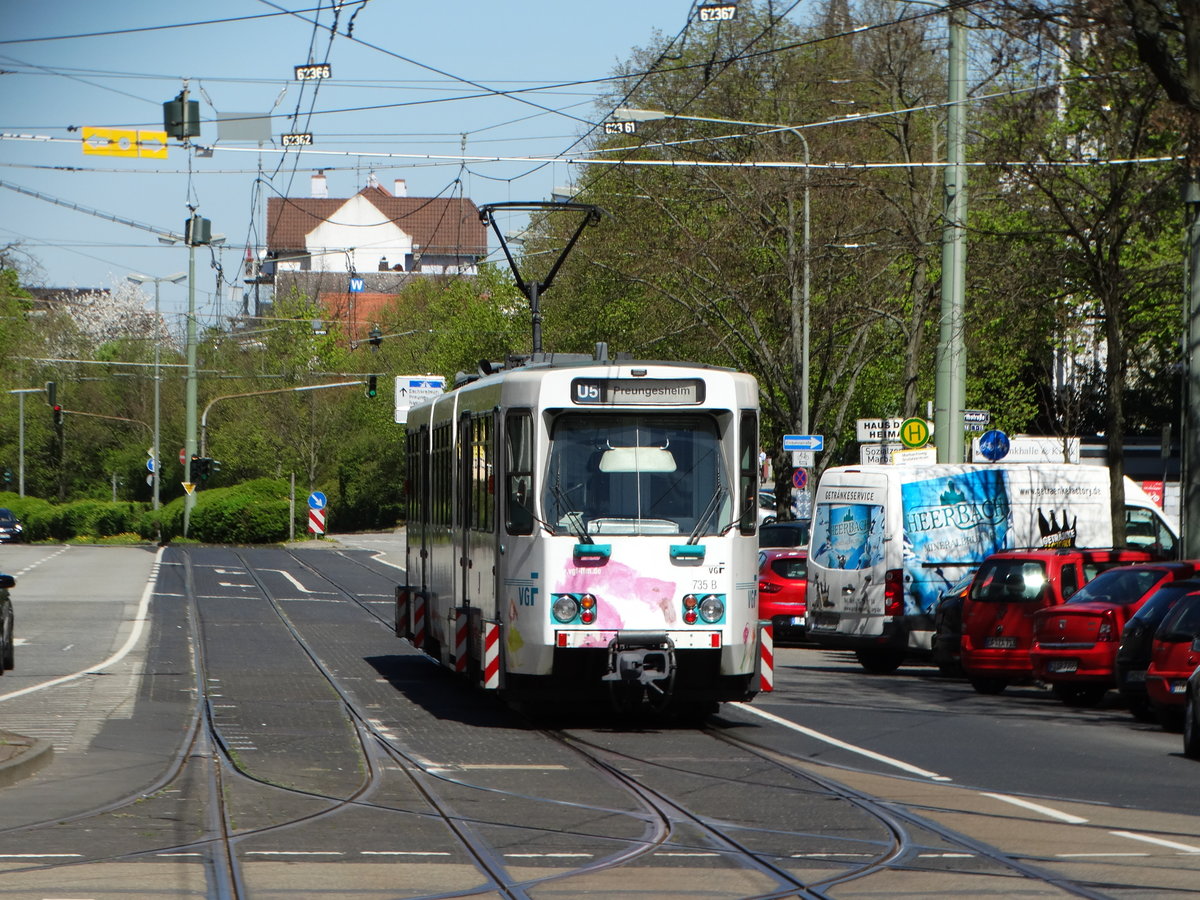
x=639 y=473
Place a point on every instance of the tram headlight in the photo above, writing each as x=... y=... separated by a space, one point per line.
x=565 y=608
x=712 y=609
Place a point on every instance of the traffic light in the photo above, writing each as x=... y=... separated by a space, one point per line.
x=375 y=336
x=51 y=393
x=58 y=415
x=372 y=385
x=214 y=466
x=201 y=468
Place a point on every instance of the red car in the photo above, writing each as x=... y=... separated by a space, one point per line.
x=1009 y=588
x=1175 y=656
x=782 y=592
x=1075 y=645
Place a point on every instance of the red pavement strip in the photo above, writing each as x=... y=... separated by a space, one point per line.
x=21 y=756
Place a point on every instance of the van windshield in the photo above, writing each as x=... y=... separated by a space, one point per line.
x=1009 y=581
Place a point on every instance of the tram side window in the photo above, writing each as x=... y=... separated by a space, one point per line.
x=518 y=468
x=441 y=475
x=482 y=486
x=748 y=472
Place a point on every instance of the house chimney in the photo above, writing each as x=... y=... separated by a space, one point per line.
x=320 y=187
x=401 y=188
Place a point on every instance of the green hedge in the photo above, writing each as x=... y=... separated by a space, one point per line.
x=255 y=512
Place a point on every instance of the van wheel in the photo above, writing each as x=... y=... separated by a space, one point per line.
x=1191 y=730
x=989 y=685
x=880 y=662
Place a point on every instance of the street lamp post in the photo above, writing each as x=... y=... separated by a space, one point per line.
x=137 y=278
x=802 y=339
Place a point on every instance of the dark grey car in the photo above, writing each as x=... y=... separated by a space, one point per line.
x=6 y=623
x=11 y=529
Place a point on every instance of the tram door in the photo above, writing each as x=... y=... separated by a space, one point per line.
x=417 y=550
x=477 y=503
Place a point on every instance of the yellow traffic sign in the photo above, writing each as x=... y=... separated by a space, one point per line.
x=188 y=486
x=124 y=142
x=914 y=433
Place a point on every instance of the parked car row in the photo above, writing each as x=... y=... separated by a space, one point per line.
x=1083 y=622
x=783 y=579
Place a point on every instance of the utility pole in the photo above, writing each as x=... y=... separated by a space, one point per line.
x=950 y=385
x=136 y=278
x=1190 y=436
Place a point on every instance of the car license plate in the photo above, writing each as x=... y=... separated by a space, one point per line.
x=1000 y=643
x=798 y=621
x=1136 y=675
x=1178 y=687
x=1062 y=665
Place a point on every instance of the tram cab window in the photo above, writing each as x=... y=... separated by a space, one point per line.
x=630 y=473
x=518 y=515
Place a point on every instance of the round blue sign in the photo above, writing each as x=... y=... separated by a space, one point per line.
x=316 y=500
x=993 y=445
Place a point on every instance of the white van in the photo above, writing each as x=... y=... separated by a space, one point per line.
x=888 y=540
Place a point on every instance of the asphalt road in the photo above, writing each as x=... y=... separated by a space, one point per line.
x=105 y=672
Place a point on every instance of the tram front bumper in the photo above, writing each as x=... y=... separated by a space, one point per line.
x=641 y=656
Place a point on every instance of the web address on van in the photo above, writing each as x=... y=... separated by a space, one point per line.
x=1059 y=490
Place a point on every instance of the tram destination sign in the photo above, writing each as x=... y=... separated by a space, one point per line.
x=637 y=391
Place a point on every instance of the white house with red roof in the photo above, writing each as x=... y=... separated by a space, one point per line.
x=374 y=231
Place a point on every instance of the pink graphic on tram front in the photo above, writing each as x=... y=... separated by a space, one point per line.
x=624 y=598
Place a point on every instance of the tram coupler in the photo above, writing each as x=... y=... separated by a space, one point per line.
x=641 y=656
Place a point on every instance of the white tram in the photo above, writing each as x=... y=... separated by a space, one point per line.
x=580 y=525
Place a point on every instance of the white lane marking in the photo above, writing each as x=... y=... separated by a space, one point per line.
x=295 y=583
x=34 y=565
x=1038 y=808
x=1095 y=855
x=40 y=855
x=295 y=853
x=513 y=767
x=549 y=855
x=832 y=741
x=680 y=853
x=139 y=623
x=1174 y=845
x=404 y=852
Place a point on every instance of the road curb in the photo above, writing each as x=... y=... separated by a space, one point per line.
x=21 y=756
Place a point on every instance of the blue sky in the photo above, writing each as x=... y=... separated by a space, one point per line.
x=423 y=55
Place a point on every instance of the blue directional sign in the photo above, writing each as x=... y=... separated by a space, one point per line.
x=316 y=500
x=150 y=465
x=357 y=285
x=813 y=442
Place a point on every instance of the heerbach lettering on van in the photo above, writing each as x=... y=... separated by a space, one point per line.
x=638 y=391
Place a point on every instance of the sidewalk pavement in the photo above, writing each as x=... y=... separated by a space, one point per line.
x=21 y=756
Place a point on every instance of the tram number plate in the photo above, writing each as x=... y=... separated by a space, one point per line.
x=1062 y=665
x=1000 y=643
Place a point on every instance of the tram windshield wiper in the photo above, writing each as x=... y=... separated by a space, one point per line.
x=709 y=511
x=574 y=520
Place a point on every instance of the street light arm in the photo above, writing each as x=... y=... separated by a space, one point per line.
x=307 y=387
